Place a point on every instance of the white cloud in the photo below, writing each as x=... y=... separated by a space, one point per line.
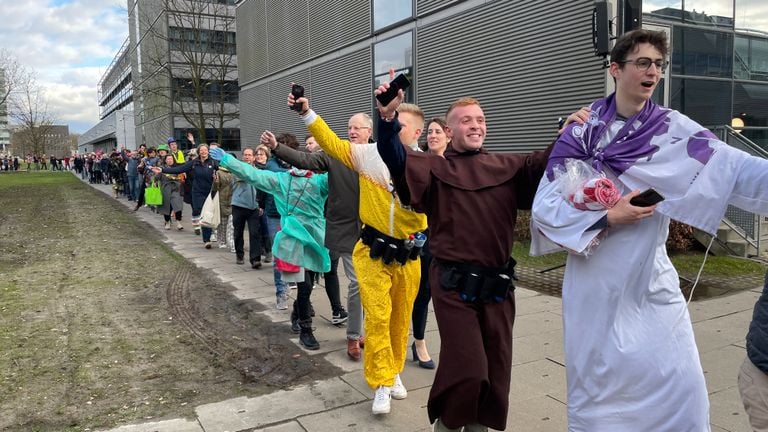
x=70 y=45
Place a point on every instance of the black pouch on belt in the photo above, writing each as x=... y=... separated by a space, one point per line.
x=390 y=252
x=378 y=247
x=495 y=288
x=450 y=278
x=472 y=287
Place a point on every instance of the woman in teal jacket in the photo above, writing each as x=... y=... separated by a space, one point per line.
x=300 y=199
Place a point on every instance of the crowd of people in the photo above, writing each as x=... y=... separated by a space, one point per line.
x=396 y=215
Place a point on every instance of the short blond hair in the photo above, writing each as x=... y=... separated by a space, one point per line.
x=266 y=150
x=411 y=109
x=461 y=102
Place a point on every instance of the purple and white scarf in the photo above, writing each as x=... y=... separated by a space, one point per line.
x=663 y=149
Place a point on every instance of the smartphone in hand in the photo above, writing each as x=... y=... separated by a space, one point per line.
x=647 y=198
x=297 y=91
x=400 y=82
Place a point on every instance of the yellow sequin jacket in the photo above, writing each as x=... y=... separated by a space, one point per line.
x=380 y=207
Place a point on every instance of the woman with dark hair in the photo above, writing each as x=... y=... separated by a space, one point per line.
x=170 y=186
x=203 y=169
x=437 y=142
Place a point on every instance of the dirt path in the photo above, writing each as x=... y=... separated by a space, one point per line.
x=102 y=324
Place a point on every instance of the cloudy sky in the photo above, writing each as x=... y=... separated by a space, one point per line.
x=69 y=43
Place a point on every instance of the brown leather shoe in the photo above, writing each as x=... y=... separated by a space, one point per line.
x=353 y=349
x=362 y=342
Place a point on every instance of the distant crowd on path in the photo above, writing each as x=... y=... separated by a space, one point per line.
x=386 y=209
x=35 y=163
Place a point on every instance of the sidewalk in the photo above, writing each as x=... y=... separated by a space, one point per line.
x=538 y=392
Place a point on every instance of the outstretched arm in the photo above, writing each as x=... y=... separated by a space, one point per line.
x=267 y=181
x=336 y=147
x=311 y=161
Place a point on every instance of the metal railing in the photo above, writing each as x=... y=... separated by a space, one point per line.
x=744 y=223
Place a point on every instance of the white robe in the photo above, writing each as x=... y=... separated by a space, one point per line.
x=631 y=359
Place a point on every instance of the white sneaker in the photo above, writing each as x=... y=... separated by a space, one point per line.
x=381 y=400
x=179 y=226
x=398 y=390
x=167 y=225
x=213 y=238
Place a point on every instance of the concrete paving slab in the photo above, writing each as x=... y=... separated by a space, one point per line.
x=727 y=412
x=536 y=323
x=537 y=379
x=537 y=347
x=721 y=367
x=539 y=414
x=406 y=416
x=292 y=426
x=247 y=413
x=340 y=359
x=721 y=332
x=521 y=293
x=722 y=306
x=536 y=304
x=176 y=425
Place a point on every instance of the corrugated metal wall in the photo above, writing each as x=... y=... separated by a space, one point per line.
x=254 y=114
x=341 y=88
x=337 y=23
x=336 y=99
x=425 y=6
x=288 y=35
x=252 y=40
x=527 y=64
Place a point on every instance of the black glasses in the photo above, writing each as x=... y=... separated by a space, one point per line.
x=644 y=63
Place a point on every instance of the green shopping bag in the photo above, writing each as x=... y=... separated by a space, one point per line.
x=152 y=195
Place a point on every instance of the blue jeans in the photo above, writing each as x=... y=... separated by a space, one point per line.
x=132 y=188
x=272 y=226
x=135 y=186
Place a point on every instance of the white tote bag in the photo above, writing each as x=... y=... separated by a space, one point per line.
x=210 y=216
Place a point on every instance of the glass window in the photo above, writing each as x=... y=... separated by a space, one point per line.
x=750 y=102
x=666 y=9
x=751 y=58
x=388 y=12
x=706 y=102
x=716 y=13
x=701 y=52
x=396 y=53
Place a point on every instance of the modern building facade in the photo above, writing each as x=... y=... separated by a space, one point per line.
x=115 y=92
x=719 y=61
x=114 y=132
x=528 y=63
x=184 y=71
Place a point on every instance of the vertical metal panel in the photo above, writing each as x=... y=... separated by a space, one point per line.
x=254 y=114
x=527 y=62
x=333 y=24
x=288 y=33
x=251 y=40
x=426 y=6
x=341 y=88
x=282 y=119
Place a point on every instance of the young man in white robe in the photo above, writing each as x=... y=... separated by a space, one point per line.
x=631 y=360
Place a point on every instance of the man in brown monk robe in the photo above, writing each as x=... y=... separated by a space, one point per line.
x=471 y=198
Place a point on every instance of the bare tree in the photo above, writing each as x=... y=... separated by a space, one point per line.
x=12 y=75
x=29 y=109
x=191 y=63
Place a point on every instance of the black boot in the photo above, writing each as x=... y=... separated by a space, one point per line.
x=306 y=337
x=295 y=318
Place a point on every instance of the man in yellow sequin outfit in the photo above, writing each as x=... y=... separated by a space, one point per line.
x=387 y=290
